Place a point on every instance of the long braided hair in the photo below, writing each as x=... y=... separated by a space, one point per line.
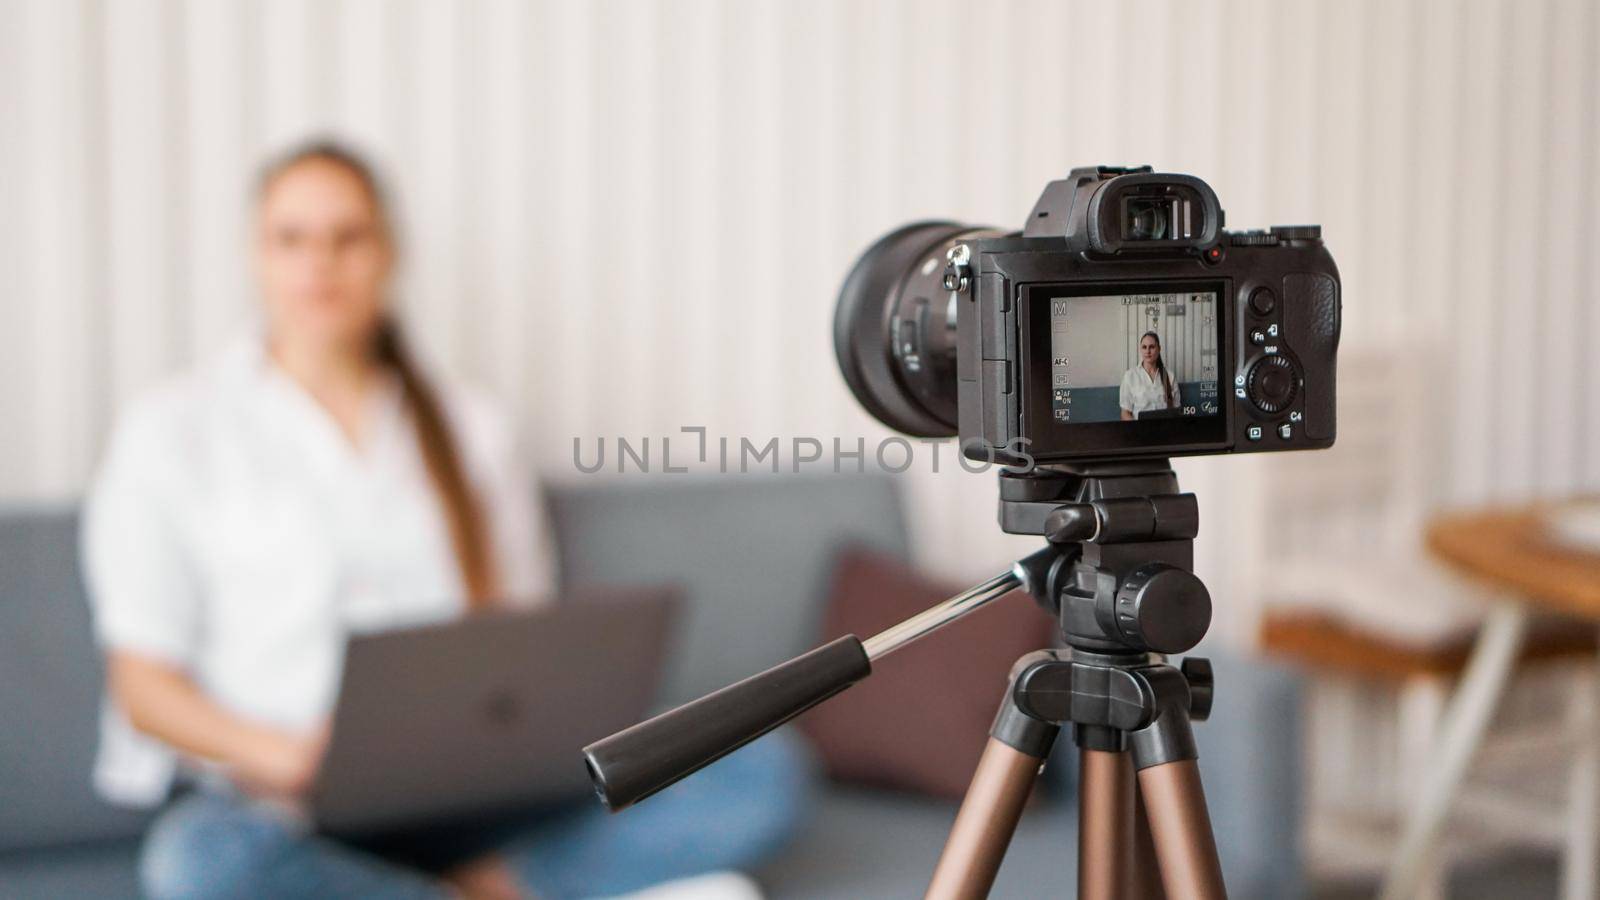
x=1166 y=379
x=469 y=537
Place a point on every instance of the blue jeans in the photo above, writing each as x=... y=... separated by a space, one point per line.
x=732 y=815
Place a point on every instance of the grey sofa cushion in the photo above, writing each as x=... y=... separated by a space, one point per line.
x=104 y=871
x=753 y=554
x=49 y=705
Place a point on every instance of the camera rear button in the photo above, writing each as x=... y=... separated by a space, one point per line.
x=1286 y=431
x=1258 y=337
x=1253 y=432
x=1263 y=301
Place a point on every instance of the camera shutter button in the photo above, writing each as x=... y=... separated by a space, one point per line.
x=1272 y=383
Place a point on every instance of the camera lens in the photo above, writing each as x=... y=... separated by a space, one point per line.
x=1146 y=219
x=895 y=333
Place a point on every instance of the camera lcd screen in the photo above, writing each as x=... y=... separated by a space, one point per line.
x=1133 y=357
x=1081 y=342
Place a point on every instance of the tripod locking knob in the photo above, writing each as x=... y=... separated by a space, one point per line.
x=1162 y=608
x=1197 y=671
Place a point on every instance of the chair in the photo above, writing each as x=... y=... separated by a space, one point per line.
x=1352 y=598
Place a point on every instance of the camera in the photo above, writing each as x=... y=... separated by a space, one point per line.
x=1121 y=322
x=1120 y=327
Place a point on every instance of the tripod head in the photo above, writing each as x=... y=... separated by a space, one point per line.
x=1115 y=574
x=1122 y=580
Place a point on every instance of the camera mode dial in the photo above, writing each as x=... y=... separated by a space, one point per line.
x=1272 y=383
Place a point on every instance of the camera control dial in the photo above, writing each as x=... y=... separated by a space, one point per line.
x=1253 y=239
x=1297 y=232
x=1272 y=383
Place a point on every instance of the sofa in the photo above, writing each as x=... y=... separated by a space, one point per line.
x=753 y=556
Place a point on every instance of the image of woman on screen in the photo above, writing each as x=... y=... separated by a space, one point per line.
x=1148 y=385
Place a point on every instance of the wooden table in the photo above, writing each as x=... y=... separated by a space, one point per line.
x=1510 y=551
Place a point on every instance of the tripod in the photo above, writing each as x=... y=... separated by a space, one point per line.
x=1117 y=578
x=1115 y=574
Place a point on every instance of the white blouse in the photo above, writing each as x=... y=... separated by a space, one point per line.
x=1142 y=391
x=234 y=531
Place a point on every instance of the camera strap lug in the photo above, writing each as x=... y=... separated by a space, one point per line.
x=958 y=269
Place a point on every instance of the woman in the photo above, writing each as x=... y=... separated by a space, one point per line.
x=309 y=484
x=1148 y=385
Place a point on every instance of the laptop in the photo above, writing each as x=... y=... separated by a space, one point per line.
x=487 y=713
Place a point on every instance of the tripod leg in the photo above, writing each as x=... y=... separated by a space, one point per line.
x=1018 y=744
x=1105 y=824
x=985 y=823
x=1116 y=853
x=1181 y=828
x=1146 y=883
x=1169 y=784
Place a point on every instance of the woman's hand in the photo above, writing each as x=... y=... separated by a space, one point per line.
x=162 y=701
x=278 y=764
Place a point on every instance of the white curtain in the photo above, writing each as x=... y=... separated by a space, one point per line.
x=625 y=217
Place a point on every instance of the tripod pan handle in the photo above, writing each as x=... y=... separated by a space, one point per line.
x=638 y=761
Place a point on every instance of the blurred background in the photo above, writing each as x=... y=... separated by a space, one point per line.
x=627 y=217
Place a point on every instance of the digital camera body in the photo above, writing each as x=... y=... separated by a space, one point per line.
x=1247 y=323
x=1122 y=322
